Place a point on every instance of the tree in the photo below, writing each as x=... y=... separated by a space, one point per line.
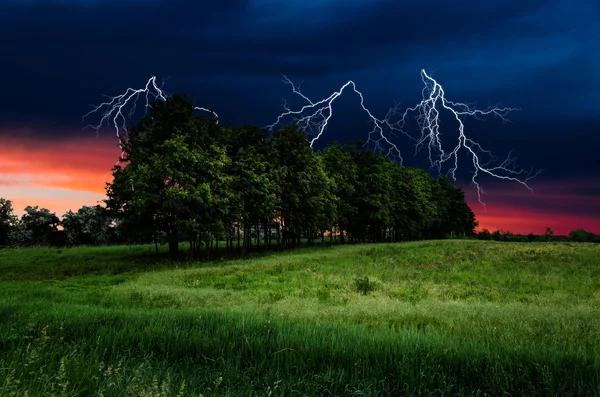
x=455 y=216
x=303 y=188
x=371 y=198
x=424 y=209
x=549 y=233
x=580 y=235
x=343 y=173
x=497 y=235
x=484 y=235
x=255 y=191
x=41 y=225
x=174 y=175
x=90 y=225
x=8 y=221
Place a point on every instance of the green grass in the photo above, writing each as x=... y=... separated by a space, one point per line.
x=425 y=318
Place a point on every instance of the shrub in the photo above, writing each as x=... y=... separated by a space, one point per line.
x=363 y=285
x=581 y=235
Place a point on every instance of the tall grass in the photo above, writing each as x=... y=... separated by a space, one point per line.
x=426 y=318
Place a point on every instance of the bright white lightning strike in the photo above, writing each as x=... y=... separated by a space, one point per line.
x=315 y=122
x=314 y=117
x=429 y=123
x=113 y=111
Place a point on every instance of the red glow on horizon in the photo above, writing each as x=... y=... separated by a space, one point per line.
x=58 y=174
x=525 y=221
x=563 y=206
x=79 y=163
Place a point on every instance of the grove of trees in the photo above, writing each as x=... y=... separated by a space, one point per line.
x=185 y=178
x=189 y=179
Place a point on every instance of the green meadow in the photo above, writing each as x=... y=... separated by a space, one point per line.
x=451 y=317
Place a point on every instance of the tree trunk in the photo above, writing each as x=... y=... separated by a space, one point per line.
x=245 y=247
x=258 y=236
x=267 y=234
x=279 y=233
x=173 y=247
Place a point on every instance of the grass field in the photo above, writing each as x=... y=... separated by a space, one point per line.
x=458 y=317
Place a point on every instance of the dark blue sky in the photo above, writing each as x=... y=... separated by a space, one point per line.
x=58 y=57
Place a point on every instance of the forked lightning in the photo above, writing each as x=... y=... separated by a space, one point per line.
x=113 y=111
x=434 y=99
x=314 y=117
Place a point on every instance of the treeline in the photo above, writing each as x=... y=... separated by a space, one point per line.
x=189 y=179
x=90 y=225
x=579 y=235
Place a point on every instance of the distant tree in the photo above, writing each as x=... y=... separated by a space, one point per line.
x=89 y=225
x=549 y=233
x=497 y=235
x=531 y=237
x=40 y=226
x=507 y=236
x=8 y=221
x=580 y=235
x=484 y=234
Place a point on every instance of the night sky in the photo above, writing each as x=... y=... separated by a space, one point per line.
x=543 y=57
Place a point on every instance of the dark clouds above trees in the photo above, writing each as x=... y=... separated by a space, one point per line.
x=543 y=57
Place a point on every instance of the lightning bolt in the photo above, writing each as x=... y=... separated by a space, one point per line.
x=114 y=110
x=428 y=109
x=313 y=118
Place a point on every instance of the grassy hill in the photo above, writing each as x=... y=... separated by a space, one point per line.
x=425 y=318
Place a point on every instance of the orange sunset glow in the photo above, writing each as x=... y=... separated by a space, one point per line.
x=58 y=174
x=63 y=174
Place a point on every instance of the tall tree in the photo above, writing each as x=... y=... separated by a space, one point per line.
x=343 y=172
x=255 y=192
x=455 y=217
x=425 y=209
x=303 y=187
x=174 y=173
x=371 y=197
